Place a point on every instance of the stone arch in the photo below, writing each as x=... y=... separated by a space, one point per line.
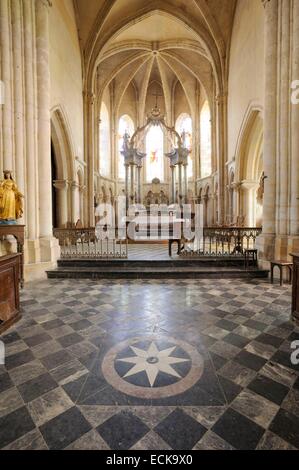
x=63 y=177
x=249 y=145
x=62 y=143
x=249 y=164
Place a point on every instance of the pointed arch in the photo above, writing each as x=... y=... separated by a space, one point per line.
x=63 y=144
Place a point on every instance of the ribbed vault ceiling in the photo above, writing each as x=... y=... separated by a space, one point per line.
x=162 y=42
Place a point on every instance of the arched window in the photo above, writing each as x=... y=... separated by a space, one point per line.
x=126 y=125
x=184 y=125
x=105 y=149
x=154 y=154
x=205 y=141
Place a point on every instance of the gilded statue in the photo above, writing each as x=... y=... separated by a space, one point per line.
x=11 y=200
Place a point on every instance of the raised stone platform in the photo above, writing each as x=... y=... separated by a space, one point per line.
x=156 y=269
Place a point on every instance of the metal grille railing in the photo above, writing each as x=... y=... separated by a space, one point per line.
x=83 y=243
x=226 y=241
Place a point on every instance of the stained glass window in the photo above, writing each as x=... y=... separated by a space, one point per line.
x=205 y=141
x=155 y=154
x=105 y=148
x=184 y=125
x=126 y=125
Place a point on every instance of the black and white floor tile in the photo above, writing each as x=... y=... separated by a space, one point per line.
x=201 y=364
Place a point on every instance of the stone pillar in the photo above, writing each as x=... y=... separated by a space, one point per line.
x=249 y=189
x=74 y=188
x=172 y=167
x=62 y=212
x=294 y=213
x=44 y=127
x=6 y=77
x=89 y=122
x=185 y=183
x=81 y=202
x=266 y=242
x=236 y=200
x=139 y=168
x=180 y=182
x=18 y=94
x=127 y=184
x=132 y=183
x=221 y=101
x=49 y=247
x=284 y=149
x=31 y=195
x=204 y=201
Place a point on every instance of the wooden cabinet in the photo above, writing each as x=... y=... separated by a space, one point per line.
x=295 y=288
x=18 y=232
x=9 y=290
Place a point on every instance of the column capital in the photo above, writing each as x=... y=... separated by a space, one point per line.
x=90 y=97
x=60 y=184
x=247 y=184
x=73 y=185
x=45 y=3
x=221 y=97
x=265 y=2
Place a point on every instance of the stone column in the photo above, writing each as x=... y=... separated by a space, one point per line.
x=18 y=94
x=294 y=223
x=284 y=149
x=62 y=212
x=81 y=202
x=180 y=188
x=89 y=123
x=172 y=167
x=74 y=188
x=139 y=168
x=267 y=240
x=221 y=101
x=204 y=201
x=236 y=200
x=249 y=189
x=44 y=128
x=6 y=77
x=132 y=183
x=31 y=195
x=185 y=183
x=127 y=184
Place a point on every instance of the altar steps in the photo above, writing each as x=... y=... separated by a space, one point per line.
x=213 y=268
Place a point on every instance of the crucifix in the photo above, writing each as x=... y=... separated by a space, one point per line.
x=157 y=95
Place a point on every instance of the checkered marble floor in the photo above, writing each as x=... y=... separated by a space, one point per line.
x=143 y=251
x=225 y=379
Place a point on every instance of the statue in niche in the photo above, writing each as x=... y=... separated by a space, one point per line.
x=11 y=203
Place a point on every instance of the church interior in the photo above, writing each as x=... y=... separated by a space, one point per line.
x=122 y=122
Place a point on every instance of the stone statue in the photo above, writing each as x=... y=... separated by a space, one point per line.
x=126 y=142
x=11 y=204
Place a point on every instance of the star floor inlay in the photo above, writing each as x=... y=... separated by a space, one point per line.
x=151 y=367
x=56 y=392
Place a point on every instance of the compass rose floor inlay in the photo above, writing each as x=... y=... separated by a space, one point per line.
x=158 y=365
x=152 y=367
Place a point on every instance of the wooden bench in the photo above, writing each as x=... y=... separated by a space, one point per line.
x=281 y=264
